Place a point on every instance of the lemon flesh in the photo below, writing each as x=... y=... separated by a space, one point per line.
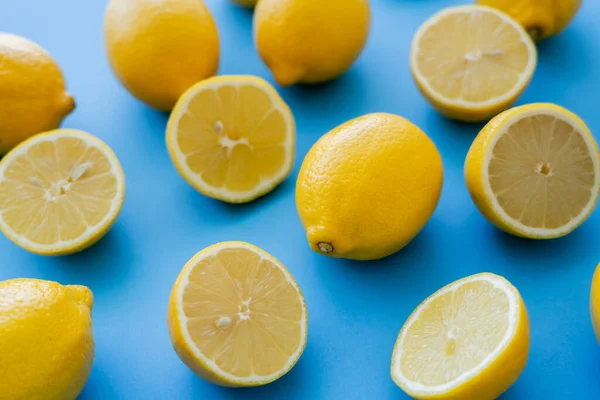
x=59 y=192
x=539 y=173
x=232 y=138
x=236 y=316
x=469 y=340
x=472 y=62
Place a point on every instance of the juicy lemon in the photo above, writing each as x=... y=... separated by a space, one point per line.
x=46 y=340
x=236 y=316
x=310 y=41
x=232 y=138
x=368 y=187
x=467 y=341
x=159 y=48
x=60 y=192
x=534 y=171
x=33 y=97
x=472 y=62
x=541 y=18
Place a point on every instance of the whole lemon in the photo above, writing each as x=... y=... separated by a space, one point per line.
x=595 y=302
x=160 y=48
x=33 y=97
x=46 y=340
x=368 y=187
x=310 y=41
x=541 y=18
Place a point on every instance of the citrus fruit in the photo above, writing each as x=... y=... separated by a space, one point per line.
x=468 y=341
x=232 y=138
x=33 y=97
x=472 y=62
x=46 y=339
x=159 y=48
x=534 y=171
x=310 y=41
x=368 y=187
x=60 y=192
x=236 y=316
x=595 y=302
x=541 y=18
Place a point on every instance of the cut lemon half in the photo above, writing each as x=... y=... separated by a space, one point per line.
x=236 y=316
x=60 y=192
x=472 y=62
x=534 y=171
x=232 y=138
x=468 y=341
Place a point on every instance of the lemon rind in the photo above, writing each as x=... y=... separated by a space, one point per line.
x=514 y=316
x=251 y=380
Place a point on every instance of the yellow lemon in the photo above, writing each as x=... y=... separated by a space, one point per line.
x=541 y=18
x=236 y=316
x=245 y=3
x=595 y=302
x=60 y=192
x=46 y=340
x=232 y=138
x=33 y=97
x=472 y=62
x=368 y=187
x=534 y=171
x=310 y=41
x=467 y=341
x=159 y=48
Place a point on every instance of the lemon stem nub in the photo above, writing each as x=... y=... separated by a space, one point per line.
x=325 y=247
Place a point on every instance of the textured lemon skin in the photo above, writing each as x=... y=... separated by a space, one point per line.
x=159 y=48
x=474 y=166
x=183 y=348
x=540 y=18
x=595 y=302
x=46 y=340
x=499 y=376
x=368 y=187
x=33 y=97
x=310 y=41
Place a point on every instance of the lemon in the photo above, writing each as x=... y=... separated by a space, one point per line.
x=595 y=302
x=236 y=316
x=541 y=18
x=368 y=187
x=245 y=3
x=310 y=41
x=534 y=171
x=46 y=340
x=232 y=138
x=159 y=48
x=472 y=62
x=467 y=341
x=60 y=192
x=33 y=97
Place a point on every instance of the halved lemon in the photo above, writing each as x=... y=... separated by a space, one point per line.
x=472 y=62
x=60 y=192
x=232 y=138
x=236 y=316
x=468 y=341
x=534 y=171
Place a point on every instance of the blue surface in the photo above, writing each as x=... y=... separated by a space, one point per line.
x=356 y=309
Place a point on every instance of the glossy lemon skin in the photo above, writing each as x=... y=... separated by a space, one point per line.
x=310 y=41
x=595 y=302
x=540 y=18
x=368 y=187
x=159 y=48
x=46 y=340
x=33 y=96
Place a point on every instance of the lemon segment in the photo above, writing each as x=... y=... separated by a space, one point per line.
x=468 y=341
x=472 y=62
x=534 y=171
x=232 y=138
x=236 y=316
x=59 y=192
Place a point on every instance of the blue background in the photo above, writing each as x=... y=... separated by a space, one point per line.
x=356 y=309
